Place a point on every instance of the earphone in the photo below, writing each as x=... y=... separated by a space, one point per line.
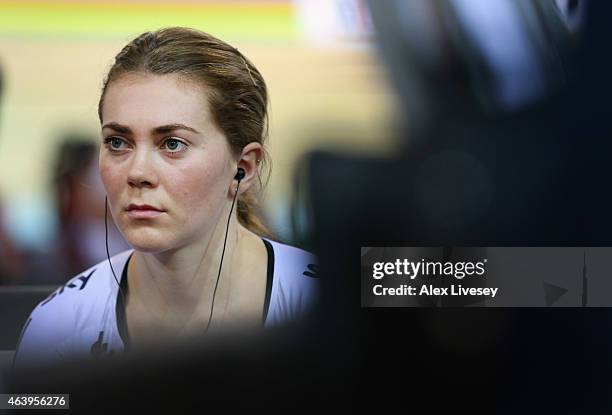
x=239 y=176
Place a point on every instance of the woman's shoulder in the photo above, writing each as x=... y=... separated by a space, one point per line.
x=87 y=283
x=291 y=258
x=295 y=282
x=75 y=305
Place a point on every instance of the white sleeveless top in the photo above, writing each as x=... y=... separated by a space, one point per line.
x=86 y=316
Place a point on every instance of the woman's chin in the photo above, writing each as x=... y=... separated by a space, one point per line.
x=149 y=248
x=149 y=243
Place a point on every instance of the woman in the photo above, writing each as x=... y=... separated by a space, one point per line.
x=184 y=119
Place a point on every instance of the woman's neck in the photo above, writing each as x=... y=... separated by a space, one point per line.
x=178 y=281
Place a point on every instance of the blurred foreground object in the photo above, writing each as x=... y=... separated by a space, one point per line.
x=506 y=142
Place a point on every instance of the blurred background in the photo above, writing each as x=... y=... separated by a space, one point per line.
x=316 y=57
x=454 y=123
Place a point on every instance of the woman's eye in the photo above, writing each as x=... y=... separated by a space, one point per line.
x=114 y=143
x=175 y=146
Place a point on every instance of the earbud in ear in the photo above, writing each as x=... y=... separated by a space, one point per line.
x=240 y=174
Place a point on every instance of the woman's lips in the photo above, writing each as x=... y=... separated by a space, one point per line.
x=143 y=211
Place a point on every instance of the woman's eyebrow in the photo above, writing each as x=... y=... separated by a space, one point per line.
x=162 y=129
x=172 y=127
x=118 y=127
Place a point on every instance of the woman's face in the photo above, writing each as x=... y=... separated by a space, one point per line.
x=166 y=167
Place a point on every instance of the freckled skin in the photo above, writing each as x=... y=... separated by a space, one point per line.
x=192 y=186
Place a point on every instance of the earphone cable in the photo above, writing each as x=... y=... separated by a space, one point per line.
x=222 y=255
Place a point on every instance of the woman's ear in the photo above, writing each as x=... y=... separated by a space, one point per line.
x=251 y=156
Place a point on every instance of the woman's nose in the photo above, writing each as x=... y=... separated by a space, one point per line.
x=142 y=172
